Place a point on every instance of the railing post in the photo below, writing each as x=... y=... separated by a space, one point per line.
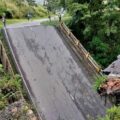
x=5 y=60
x=77 y=43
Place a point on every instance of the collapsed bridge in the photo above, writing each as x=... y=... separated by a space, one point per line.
x=54 y=73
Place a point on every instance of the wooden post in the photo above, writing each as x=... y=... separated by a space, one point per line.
x=75 y=41
x=5 y=60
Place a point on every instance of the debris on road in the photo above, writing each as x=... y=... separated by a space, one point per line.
x=111 y=88
x=112 y=85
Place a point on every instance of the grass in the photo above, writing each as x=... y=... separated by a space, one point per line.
x=56 y=22
x=113 y=113
x=99 y=80
x=66 y=19
x=10 y=88
x=12 y=21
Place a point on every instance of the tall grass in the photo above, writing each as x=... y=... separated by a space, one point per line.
x=15 y=9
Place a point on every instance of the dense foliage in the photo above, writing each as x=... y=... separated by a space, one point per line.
x=99 y=80
x=112 y=114
x=10 y=88
x=56 y=5
x=20 y=8
x=97 y=24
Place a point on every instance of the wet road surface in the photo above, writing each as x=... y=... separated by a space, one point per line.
x=57 y=81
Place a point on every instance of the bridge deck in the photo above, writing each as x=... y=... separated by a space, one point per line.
x=57 y=81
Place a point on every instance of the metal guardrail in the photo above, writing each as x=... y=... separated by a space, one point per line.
x=82 y=50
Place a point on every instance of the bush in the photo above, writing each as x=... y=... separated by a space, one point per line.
x=14 y=10
x=40 y=11
x=99 y=80
x=8 y=14
x=2 y=105
x=10 y=89
x=112 y=114
x=2 y=10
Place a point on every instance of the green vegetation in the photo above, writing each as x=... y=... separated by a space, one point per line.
x=66 y=19
x=112 y=114
x=17 y=10
x=96 y=24
x=56 y=5
x=99 y=80
x=10 y=88
x=12 y=21
x=51 y=23
x=20 y=8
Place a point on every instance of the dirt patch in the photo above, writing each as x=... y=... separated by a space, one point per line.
x=19 y=110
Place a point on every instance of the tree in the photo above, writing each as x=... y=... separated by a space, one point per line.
x=92 y=21
x=96 y=20
x=31 y=2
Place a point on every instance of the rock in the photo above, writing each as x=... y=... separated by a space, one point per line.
x=26 y=108
x=14 y=111
x=33 y=118
x=17 y=111
x=29 y=112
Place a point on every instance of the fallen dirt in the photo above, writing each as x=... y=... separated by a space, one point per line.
x=17 y=111
x=111 y=86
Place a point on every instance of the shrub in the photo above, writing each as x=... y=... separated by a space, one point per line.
x=14 y=9
x=40 y=11
x=99 y=80
x=112 y=114
x=2 y=10
x=2 y=105
x=8 y=14
x=10 y=89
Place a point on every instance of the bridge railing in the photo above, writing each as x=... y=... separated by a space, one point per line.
x=84 y=53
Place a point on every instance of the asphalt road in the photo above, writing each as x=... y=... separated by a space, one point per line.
x=57 y=81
